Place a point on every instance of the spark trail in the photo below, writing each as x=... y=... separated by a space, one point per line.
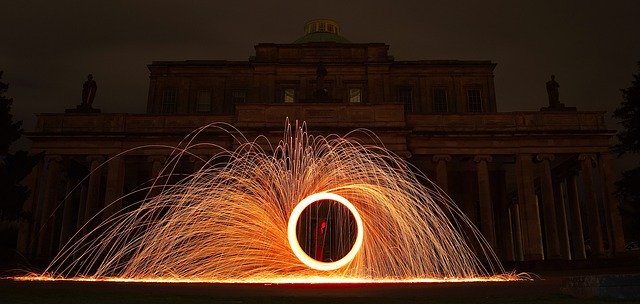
x=228 y=222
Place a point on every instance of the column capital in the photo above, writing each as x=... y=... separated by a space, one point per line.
x=482 y=158
x=441 y=157
x=545 y=157
x=588 y=158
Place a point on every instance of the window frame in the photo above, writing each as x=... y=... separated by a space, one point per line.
x=236 y=99
x=408 y=104
x=436 y=106
x=471 y=108
x=208 y=104
x=166 y=106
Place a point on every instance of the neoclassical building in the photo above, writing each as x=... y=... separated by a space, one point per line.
x=538 y=184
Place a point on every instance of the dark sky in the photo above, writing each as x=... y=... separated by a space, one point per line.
x=48 y=47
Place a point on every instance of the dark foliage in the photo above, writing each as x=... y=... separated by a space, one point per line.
x=629 y=116
x=628 y=187
x=14 y=167
x=9 y=131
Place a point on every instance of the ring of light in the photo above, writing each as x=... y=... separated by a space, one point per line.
x=293 y=237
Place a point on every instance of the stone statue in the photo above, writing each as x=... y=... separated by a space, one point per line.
x=552 y=91
x=89 y=89
x=554 y=97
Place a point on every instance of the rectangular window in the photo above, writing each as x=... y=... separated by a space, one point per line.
x=289 y=95
x=355 y=95
x=169 y=100
x=405 y=96
x=474 y=100
x=440 y=100
x=239 y=96
x=203 y=101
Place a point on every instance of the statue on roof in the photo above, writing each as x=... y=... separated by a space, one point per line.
x=89 y=89
x=553 y=92
x=554 y=97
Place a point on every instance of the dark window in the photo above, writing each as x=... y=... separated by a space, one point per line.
x=474 y=100
x=239 y=96
x=169 y=99
x=289 y=95
x=203 y=101
x=355 y=95
x=440 y=100
x=405 y=96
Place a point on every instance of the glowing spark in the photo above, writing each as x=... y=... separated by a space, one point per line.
x=235 y=220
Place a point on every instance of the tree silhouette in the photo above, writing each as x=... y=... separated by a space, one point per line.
x=628 y=114
x=14 y=167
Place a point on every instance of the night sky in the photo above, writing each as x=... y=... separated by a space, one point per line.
x=48 y=47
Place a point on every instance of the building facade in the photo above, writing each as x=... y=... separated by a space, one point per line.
x=539 y=185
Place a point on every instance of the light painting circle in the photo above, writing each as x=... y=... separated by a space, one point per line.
x=293 y=238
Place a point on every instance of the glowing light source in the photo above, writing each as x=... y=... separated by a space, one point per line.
x=293 y=238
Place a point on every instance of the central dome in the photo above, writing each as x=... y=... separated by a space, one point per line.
x=322 y=30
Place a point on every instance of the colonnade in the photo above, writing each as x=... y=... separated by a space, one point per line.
x=549 y=207
x=63 y=202
x=541 y=218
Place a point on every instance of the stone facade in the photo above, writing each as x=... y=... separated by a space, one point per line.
x=538 y=185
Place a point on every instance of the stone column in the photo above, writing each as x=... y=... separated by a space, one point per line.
x=577 y=235
x=561 y=215
x=487 y=223
x=616 y=235
x=469 y=199
x=49 y=200
x=469 y=202
x=595 y=230
x=66 y=231
x=504 y=231
x=115 y=183
x=441 y=171
x=518 y=250
x=82 y=199
x=29 y=209
x=548 y=206
x=529 y=216
x=92 y=203
x=158 y=164
x=198 y=162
